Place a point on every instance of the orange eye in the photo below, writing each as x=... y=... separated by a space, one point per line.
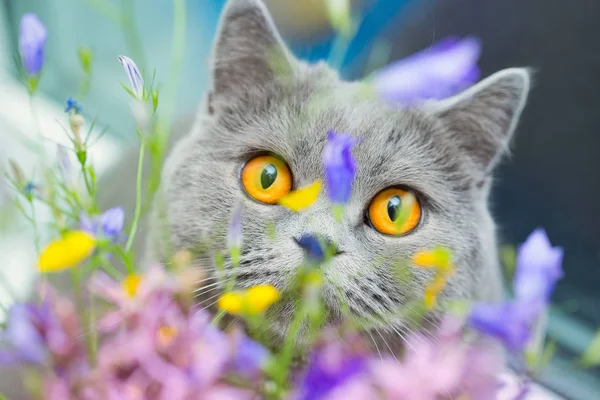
x=266 y=179
x=392 y=206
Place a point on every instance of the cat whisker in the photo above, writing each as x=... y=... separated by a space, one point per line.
x=375 y=343
x=205 y=279
x=210 y=298
x=403 y=338
x=205 y=288
x=386 y=344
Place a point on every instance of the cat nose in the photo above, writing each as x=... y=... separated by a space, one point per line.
x=315 y=247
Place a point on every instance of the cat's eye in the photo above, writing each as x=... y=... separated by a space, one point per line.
x=392 y=206
x=266 y=179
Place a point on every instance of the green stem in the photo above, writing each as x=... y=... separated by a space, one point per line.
x=163 y=125
x=64 y=212
x=138 y=203
x=93 y=341
x=36 y=232
x=132 y=37
x=287 y=352
x=110 y=269
x=106 y=9
x=126 y=259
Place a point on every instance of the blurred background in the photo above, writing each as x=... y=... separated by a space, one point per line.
x=551 y=180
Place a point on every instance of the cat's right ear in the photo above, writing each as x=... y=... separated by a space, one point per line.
x=248 y=52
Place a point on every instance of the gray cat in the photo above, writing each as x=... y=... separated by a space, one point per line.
x=263 y=100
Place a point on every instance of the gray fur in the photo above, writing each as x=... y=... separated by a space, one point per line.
x=443 y=150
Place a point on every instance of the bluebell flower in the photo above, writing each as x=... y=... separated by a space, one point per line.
x=136 y=81
x=235 y=234
x=538 y=269
x=312 y=247
x=340 y=166
x=72 y=105
x=23 y=339
x=32 y=42
x=331 y=365
x=64 y=163
x=249 y=357
x=109 y=225
x=510 y=322
x=438 y=72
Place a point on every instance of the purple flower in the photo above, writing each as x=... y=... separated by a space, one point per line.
x=32 y=40
x=22 y=336
x=340 y=166
x=136 y=82
x=435 y=73
x=538 y=269
x=510 y=323
x=312 y=247
x=248 y=358
x=332 y=365
x=234 y=233
x=64 y=163
x=108 y=225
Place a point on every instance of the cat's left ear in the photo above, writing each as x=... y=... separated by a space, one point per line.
x=482 y=119
x=248 y=52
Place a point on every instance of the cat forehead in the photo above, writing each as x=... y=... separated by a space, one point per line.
x=398 y=146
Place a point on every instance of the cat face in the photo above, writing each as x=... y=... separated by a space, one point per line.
x=263 y=101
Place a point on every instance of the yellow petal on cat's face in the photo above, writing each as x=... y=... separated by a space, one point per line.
x=231 y=303
x=66 y=252
x=302 y=198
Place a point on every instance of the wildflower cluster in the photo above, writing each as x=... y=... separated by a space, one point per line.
x=138 y=333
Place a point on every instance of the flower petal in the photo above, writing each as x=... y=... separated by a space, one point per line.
x=133 y=74
x=32 y=41
x=66 y=252
x=435 y=73
x=303 y=198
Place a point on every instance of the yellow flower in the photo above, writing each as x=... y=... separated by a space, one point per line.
x=259 y=298
x=231 y=303
x=66 y=252
x=166 y=334
x=433 y=290
x=253 y=301
x=130 y=284
x=302 y=198
x=439 y=259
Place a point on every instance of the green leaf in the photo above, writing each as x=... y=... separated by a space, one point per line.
x=129 y=91
x=85 y=59
x=508 y=253
x=591 y=356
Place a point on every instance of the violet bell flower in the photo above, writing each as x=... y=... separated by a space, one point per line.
x=32 y=42
x=340 y=166
x=438 y=72
x=109 y=225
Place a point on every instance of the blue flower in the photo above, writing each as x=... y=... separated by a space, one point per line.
x=249 y=356
x=511 y=323
x=538 y=270
x=234 y=233
x=109 y=225
x=331 y=365
x=312 y=247
x=24 y=340
x=435 y=73
x=136 y=81
x=72 y=105
x=32 y=40
x=340 y=166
